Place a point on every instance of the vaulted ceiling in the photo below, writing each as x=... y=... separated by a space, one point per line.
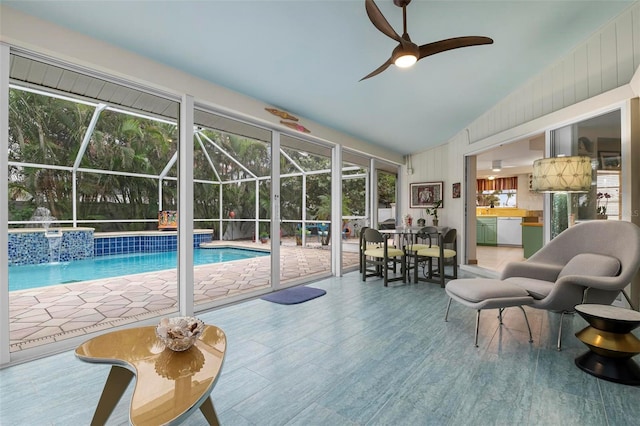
x=307 y=56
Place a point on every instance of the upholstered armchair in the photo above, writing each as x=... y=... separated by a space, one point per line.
x=591 y=262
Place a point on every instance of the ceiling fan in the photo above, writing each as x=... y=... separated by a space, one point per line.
x=407 y=52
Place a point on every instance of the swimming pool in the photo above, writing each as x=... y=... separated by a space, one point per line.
x=24 y=277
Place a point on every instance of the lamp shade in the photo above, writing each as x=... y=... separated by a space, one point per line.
x=562 y=174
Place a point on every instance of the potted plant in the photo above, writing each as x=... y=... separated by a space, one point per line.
x=264 y=237
x=602 y=199
x=433 y=211
x=299 y=231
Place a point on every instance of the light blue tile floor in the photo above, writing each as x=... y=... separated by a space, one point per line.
x=362 y=354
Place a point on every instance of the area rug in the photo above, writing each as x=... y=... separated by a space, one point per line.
x=293 y=295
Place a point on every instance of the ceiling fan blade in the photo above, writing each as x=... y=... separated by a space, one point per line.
x=379 y=21
x=378 y=70
x=452 y=43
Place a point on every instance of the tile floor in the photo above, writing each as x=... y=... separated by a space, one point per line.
x=362 y=354
x=496 y=258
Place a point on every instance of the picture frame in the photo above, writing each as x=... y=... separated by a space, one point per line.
x=609 y=160
x=425 y=194
x=455 y=190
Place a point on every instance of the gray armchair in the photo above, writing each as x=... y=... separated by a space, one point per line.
x=590 y=262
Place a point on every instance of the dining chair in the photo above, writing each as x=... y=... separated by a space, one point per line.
x=425 y=238
x=378 y=257
x=446 y=251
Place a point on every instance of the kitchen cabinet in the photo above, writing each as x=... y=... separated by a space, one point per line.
x=532 y=240
x=487 y=231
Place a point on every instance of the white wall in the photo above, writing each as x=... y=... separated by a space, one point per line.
x=598 y=75
x=526 y=199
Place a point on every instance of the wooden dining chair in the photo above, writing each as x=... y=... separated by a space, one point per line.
x=378 y=257
x=444 y=253
x=425 y=238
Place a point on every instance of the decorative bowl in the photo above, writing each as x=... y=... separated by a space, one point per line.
x=179 y=333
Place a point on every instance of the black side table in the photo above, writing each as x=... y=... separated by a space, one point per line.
x=611 y=343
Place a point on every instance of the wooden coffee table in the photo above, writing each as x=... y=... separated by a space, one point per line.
x=169 y=385
x=611 y=343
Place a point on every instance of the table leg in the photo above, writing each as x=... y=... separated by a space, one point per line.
x=117 y=382
x=209 y=412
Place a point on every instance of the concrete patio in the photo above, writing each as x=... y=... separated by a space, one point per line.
x=44 y=315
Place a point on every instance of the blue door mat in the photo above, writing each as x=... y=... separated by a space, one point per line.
x=293 y=295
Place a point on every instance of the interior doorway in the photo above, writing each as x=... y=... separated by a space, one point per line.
x=503 y=202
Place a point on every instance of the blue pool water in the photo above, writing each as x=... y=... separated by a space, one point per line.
x=23 y=277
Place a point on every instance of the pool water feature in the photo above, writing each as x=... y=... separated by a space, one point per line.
x=25 y=277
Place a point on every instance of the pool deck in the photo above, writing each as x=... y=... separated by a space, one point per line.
x=45 y=315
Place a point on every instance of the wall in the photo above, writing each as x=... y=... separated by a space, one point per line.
x=526 y=199
x=607 y=60
x=599 y=75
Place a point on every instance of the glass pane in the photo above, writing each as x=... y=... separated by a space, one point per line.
x=305 y=209
x=45 y=129
x=105 y=263
x=598 y=138
x=232 y=204
x=127 y=143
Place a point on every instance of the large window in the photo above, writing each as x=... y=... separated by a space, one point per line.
x=94 y=186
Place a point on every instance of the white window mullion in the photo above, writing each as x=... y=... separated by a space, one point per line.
x=275 y=211
x=336 y=211
x=185 y=208
x=4 y=208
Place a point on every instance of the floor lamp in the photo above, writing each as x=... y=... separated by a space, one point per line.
x=562 y=175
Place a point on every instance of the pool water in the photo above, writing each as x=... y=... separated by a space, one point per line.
x=24 y=277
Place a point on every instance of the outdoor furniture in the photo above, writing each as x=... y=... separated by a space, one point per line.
x=169 y=385
x=323 y=232
x=377 y=258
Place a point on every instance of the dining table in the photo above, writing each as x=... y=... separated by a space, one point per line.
x=404 y=236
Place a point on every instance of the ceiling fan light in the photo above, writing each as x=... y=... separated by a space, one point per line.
x=405 y=61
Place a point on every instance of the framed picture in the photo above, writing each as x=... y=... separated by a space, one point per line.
x=455 y=190
x=425 y=194
x=609 y=160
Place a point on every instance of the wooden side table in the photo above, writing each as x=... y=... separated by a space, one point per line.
x=169 y=385
x=611 y=343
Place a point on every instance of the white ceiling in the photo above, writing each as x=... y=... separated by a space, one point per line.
x=306 y=56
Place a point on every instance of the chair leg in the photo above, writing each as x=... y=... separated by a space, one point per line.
x=560 y=331
x=446 y=314
x=527 y=321
x=385 y=271
x=500 y=310
x=455 y=267
x=477 y=328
